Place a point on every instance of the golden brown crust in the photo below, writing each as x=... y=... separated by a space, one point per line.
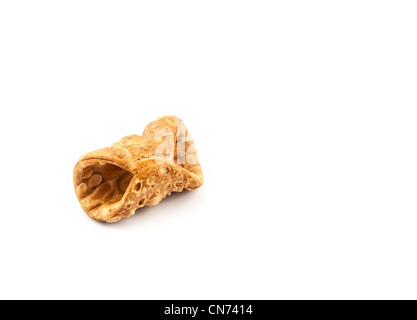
x=113 y=182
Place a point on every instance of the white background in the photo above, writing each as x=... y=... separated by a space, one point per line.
x=304 y=118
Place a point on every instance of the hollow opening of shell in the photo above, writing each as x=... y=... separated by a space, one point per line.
x=101 y=183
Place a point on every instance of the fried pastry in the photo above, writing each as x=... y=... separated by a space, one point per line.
x=112 y=183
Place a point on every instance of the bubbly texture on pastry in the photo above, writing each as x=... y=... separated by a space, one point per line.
x=112 y=183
